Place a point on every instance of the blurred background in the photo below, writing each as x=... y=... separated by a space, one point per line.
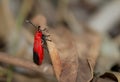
x=100 y=17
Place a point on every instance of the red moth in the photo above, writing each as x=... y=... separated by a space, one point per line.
x=39 y=41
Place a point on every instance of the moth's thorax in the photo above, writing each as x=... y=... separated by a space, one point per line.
x=38 y=35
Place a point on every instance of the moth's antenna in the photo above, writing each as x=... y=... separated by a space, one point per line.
x=28 y=21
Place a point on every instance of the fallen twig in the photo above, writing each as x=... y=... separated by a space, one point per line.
x=5 y=58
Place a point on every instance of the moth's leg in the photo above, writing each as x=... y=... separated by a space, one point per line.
x=45 y=37
x=48 y=40
x=44 y=29
x=43 y=42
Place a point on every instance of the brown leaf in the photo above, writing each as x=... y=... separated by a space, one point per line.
x=88 y=49
x=55 y=58
x=104 y=80
x=115 y=76
x=64 y=41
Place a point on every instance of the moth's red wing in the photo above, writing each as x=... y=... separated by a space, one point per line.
x=38 y=52
x=36 y=58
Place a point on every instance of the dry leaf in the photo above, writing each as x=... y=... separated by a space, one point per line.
x=104 y=80
x=64 y=41
x=115 y=76
x=88 y=52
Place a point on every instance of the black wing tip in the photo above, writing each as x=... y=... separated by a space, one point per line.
x=36 y=58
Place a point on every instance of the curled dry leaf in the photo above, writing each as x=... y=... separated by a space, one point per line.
x=55 y=59
x=104 y=80
x=88 y=49
x=115 y=76
x=64 y=41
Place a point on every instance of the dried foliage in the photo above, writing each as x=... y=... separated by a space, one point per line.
x=77 y=29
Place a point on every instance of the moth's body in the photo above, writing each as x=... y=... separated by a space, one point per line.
x=39 y=44
x=38 y=51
